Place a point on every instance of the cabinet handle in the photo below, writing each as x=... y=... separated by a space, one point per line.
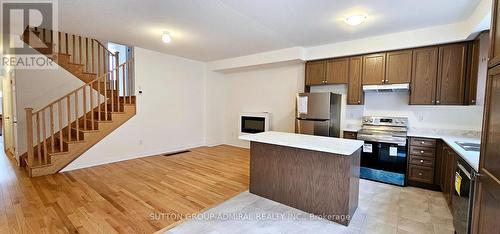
x=423 y=142
x=433 y=101
x=359 y=101
x=386 y=81
x=473 y=101
x=421 y=161
x=383 y=81
x=437 y=101
x=420 y=173
x=421 y=151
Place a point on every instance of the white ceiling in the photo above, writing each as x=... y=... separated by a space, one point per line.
x=209 y=30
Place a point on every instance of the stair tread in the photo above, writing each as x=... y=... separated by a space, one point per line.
x=84 y=130
x=73 y=139
x=36 y=163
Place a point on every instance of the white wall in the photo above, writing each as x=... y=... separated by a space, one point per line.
x=271 y=89
x=170 y=112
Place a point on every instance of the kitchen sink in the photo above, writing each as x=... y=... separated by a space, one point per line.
x=467 y=146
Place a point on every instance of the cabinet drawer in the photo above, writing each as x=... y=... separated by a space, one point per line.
x=423 y=151
x=350 y=135
x=422 y=161
x=421 y=174
x=425 y=142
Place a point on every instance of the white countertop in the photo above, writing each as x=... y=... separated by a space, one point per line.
x=351 y=128
x=471 y=157
x=309 y=142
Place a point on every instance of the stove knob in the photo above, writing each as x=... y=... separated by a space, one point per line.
x=397 y=121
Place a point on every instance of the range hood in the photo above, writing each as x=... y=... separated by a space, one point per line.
x=386 y=88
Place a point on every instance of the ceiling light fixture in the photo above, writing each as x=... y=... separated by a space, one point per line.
x=354 y=20
x=166 y=38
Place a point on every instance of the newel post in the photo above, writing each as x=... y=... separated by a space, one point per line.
x=29 y=134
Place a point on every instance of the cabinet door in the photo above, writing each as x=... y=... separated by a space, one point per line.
x=374 y=69
x=424 y=76
x=494 y=56
x=315 y=72
x=337 y=71
x=438 y=168
x=451 y=74
x=398 y=67
x=355 y=86
x=472 y=73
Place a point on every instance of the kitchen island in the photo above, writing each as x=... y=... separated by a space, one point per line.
x=319 y=175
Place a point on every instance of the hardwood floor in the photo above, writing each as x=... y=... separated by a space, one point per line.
x=136 y=196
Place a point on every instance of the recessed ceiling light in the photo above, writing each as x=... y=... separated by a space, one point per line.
x=354 y=20
x=166 y=38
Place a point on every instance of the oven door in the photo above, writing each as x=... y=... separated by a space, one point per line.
x=392 y=157
x=384 y=162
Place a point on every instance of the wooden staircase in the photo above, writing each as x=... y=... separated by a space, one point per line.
x=63 y=130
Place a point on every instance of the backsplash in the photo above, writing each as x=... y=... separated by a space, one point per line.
x=451 y=118
x=446 y=132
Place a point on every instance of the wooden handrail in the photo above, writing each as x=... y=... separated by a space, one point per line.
x=98 y=42
x=64 y=40
x=88 y=83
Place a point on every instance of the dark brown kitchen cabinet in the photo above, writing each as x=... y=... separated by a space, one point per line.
x=451 y=74
x=398 y=67
x=374 y=69
x=448 y=172
x=355 y=85
x=350 y=135
x=472 y=73
x=337 y=71
x=424 y=76
x=494 y=53
x=315 y=72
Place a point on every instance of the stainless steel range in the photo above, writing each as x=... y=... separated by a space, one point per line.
x=384 y=152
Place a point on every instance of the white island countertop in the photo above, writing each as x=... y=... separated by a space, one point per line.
x=317 y=143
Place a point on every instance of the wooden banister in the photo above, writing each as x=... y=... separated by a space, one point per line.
x=29 y=134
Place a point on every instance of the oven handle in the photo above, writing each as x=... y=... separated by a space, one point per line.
x=464 y=170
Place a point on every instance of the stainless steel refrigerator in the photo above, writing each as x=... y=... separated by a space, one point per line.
x=318 y=114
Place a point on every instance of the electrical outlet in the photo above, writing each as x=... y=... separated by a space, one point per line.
x=140 y=142
x=421 y=118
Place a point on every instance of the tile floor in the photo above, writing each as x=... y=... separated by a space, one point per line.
x=382 y=209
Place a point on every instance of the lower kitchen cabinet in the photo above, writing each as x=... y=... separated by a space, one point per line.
x=421 y=161
x=350 y=135
x=431 y=164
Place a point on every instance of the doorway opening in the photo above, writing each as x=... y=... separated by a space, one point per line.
x=124 y=54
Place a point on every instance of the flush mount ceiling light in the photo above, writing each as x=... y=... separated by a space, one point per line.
x=354 y=20
x=166 y=38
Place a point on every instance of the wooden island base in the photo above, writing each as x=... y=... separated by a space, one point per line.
x=320 y=183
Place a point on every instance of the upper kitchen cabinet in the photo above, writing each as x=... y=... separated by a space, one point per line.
x=398 y=67
x=424 y=76
x=337 y=71
x=316 y=72
x=494 y=56
x=472 y=73
x=355 y=85
x=374 y=69
x=451 y=74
